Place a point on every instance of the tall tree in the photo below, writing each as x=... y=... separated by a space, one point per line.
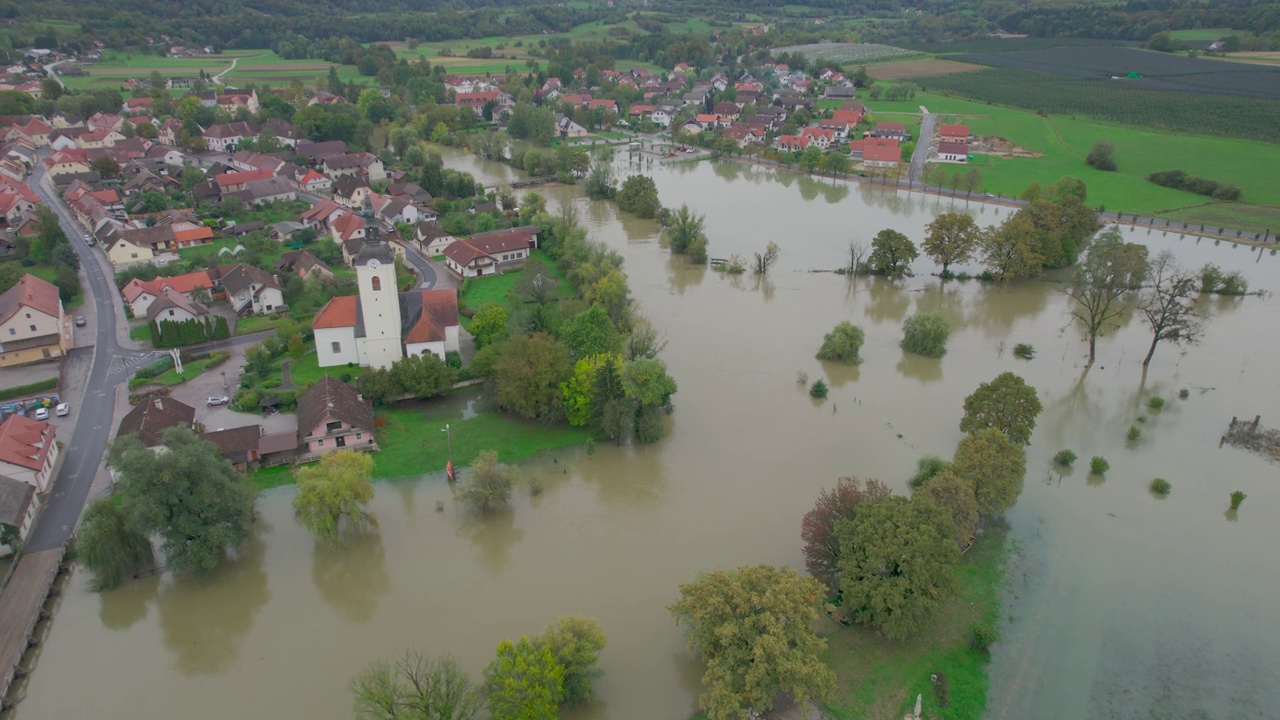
x=186 y=493
x=897 y=563
x=524 y=682
x=590 y=332
x=575 y=642
x=1111 y=270
x=528 y=375
x=952 y=238
x=416 y=687
x=1009 y=252
x=955 y=495
x=109 y=547
x=818 y=528
x=685 y=229
x=333 y=494
x=994 y=465
x=1007 y=404
x=489 y=325
x=892 y=254
x=754 y=629
x=489 y=483
x=1168 y=305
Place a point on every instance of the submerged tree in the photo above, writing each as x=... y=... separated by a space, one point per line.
x=994 y=465
x=764 y=261
x=892 y=254
x=110 y=549
x=333 y=493
x=575 y=642
x=416 y=687
x=1111 y=269
x=842 y=344
x=1007 y=404
x=818 y=528
x=1168 y=305
x=524 y=682
x=954 y=494
x=489 y=483
x=685 y=228
x=952 y=238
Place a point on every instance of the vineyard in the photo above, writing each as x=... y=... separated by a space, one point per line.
x=1007 y=44
x=1115 y=101
x=847 y=53
x=1154 y=71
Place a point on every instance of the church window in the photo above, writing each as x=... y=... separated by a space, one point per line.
x=337 y=347
x=377 y=283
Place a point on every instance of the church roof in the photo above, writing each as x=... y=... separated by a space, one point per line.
x=375 y=250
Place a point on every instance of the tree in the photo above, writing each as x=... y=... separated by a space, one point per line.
x=685 y=229
x=575 y=642
x=1163 y=42
x=811 y=158
x=423 y=376
x=972 y=181
x=198 y=504
x=1007 y=404
x=580 y=401
x=766 y=260
x=489 y=325
x=1111 y=269
x=926 y=334
x=952 y=238
x=1167 y=305
x=955 y=495
x=818 y=528
x=106 y=166
x=1068 y=186
x=1102 y=156
x=639 y=196
x=646 y=384
x=1032 y=193
x=754 y=629
x=1009 y=252
x=590 y=332
x=842 y=344
x=892 y=254
x=489 y=483
x=416 y=687
x=528 y=375
x=109 y=547
x=836 y=163
x=524 y=682
x=897 y=564
x=600 y=184
x=994 y=465
x=333 y=494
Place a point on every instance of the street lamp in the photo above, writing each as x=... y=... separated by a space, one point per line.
x=448 y=467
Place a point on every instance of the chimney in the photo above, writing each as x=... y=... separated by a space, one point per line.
x=159 y=405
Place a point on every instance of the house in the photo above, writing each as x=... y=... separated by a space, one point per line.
x=351 y=191
x=32 y=323
x=367 y=164
x=126 y=249
x=225 y=136
x=897 y=131
x=849 y=117
x=567 y=128
x=346 y=228
x=954 y=134
x=791 y=143
x=284 y=131
x=250 y=291
x=839 y=92
x=740 y=134
x=840 y=128
x=881 y=155
x=727 y=109
x=491 y=252
x=332 y=416
x=313 y=182
x=314 y=151
x=175 y=307
x=607 y=104
x=321 y=215
x=269 y=190
x=19 y=504
x=475 y=100
x=953 y=152
x=304 y=264
x=393 y=210
x=431 y=238
x=662 y=116
x=28 y=451
x=66 y=162
x=238 y=446
x=235 y=181
x=821 y=137
x=139 y=294
x=150 y=418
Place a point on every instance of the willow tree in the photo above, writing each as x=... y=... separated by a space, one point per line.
x=109 y=547
x=333 y=494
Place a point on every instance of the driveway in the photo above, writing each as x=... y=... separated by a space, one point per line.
x=924 y=143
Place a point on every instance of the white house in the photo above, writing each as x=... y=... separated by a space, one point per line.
x=432 y=239
x=173 y=306
x=251 y=291
x=19 y=504
x=953 y=152
x=31 y=323
x=492 y=252
x=28 y=451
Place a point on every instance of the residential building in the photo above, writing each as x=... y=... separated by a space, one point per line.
x=226 y=136
x=304 y=264
x=897 y=131
x=333 y=416
x=32 y=323
x=954 y=134
x=239 y=446
x=28 y=451
x=150 y=418
x=821 y=137
x=173 y=306
x=881 y=155
x=492 y=252
x=250 y=291
x=431 y=238
x=953 y=152
x=19 y=505
x=139 y=294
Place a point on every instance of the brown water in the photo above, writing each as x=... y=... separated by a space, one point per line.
x=1127 y=606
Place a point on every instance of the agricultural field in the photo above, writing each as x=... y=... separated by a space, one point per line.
x=1206 y=34
x=1008 y=44
x=1158 y=71
x=1256 y=57
x=1116 y=101
x=908 y=69
x=847 y=53
x=262 y=67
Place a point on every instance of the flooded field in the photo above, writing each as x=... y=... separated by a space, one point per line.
x=1121 y=605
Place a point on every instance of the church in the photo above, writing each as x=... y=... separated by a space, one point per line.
x=380 y=325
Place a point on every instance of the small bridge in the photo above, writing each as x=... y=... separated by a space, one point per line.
x=22 y=606
x=526 y=182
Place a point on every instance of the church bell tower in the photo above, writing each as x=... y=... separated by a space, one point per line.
x=379 y=300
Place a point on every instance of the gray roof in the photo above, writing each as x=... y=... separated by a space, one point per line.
x=376 y=250
x=15 y=498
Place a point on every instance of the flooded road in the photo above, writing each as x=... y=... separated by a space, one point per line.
x=1126 y=606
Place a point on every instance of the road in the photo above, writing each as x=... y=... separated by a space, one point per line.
x=49 y=70
x=83 y=455
x=234 y=61
x=923 y=145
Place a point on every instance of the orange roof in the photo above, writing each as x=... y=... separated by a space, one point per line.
x=882 y=153
x=184 y=283
x=25 y=442
x=707 y=118
x=30 y=292
x=347 y=225
x=853 y=117
x=108 y=196
x=338 y=312
x=955 y=131
x=240 y=178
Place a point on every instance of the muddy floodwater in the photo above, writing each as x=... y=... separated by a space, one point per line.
x=1121 y=605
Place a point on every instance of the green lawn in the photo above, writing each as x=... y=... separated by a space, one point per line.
x=1205 y=34
x=880 y=678
x=478 y=292
x=306 y=370
x=190 y=370
x=141 y=333
x=254 y=323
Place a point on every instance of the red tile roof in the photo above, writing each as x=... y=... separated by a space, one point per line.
x=184 y=283
x=25 y=442
x=954 y=131
x=30 y=292
x=240 y=178
x=338 y=312
x=439 y=311
x=882 y=153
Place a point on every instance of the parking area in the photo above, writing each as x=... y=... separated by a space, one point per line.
x=223 y=381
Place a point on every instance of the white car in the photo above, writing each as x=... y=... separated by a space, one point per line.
x=62 y=410
x=218 y=400
x=42 y=413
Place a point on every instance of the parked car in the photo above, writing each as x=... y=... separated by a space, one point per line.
x=218 y=400
x=80 y=321
x=62 y=409
x=42 y=413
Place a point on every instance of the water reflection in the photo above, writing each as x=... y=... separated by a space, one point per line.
x=492 y=535
x=204 y=621
x=839 y=374
x=682 y=274
x=886 y=300
x=997 y=306
x=919 y=367
x=125 y=605
x=626 y=477
x=352 y=576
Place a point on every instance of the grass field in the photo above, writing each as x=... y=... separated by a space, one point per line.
x=1203 y=34
x=908 y=69
x=254 y=323
x=880 y=678
x=141 y=333
x=478 y=292
x=190 y=370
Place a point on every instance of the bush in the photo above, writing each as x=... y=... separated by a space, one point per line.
x=818 y=389
x=1184 y=393
x=154 y=368
x=20 y=391
x=926 y=468
x=1099 y=465
x=1065 y=458
x=1024 y=351
x=926 y=334
x=1161 y=487
x=842 y=344
x=1237 y=497
x=1179 y=180
x=453 y=359
x=1102 y=156
x=984 y=636
x=1134 y=432
x=1156 y=403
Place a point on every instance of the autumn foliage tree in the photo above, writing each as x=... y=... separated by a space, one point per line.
x=952 y=238
x=817 y=529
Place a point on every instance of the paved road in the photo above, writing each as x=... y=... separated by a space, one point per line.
x=83 y=455
x=923 y=144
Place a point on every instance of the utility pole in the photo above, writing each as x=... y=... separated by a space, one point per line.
x=448 y=468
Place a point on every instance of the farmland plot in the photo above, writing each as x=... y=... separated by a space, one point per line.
x=1159 y=71
x=845 y=53
x=908 y=69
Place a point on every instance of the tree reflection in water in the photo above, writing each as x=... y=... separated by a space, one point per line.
x=352 y=576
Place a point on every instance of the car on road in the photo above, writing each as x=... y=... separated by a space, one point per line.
x=80 y=321
x=218 y=400
x=988 y=195
x=62 y=410
x=88 y=240
x=42 y=413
